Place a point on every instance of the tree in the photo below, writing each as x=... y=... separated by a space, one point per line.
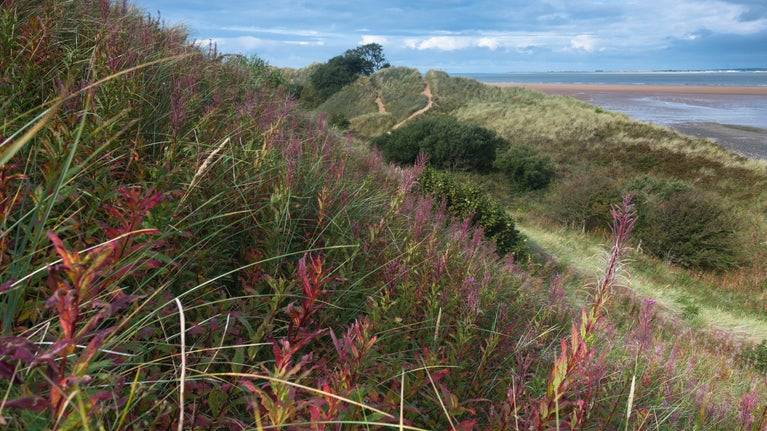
x=342 y=70
x=366 y=59
x=332 y=77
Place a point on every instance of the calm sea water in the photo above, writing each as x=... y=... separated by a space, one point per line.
x=733 y=78
x=666 y=109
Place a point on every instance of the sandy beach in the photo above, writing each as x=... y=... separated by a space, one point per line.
x=657 y=101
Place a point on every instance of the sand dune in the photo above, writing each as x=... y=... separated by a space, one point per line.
x=748 y=141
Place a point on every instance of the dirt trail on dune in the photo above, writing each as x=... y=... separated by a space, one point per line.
x=427 y=93
x=379 y=102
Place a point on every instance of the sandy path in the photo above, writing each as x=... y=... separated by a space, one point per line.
x=427 y=93
x=379 y=102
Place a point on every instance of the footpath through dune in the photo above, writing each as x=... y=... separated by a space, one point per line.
x=379 y=102
x=427 y=93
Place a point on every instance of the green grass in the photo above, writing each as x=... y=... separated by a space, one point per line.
x=356 y=98
x=673 y=290
x=401 y=90
x=183 y=247
x=744 y=128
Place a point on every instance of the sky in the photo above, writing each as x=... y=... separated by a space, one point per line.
x=493 y=36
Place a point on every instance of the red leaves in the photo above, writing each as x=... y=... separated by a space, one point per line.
x=577 y=372
x=72 y=281
x=312 y=278
x=35 y=404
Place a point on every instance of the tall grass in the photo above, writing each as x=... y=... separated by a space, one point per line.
x=401 y=91
x=355 y=99
x=181 y=247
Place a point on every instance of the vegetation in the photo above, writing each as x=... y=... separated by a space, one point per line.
x=686 y=227
x=340 y=71
x=525 y=167
x=401 y=91
x=183 y=247
x=466 y=201
x=449 y=144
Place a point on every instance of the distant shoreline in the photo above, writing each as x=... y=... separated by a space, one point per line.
x=568 y=89
x=747 y=141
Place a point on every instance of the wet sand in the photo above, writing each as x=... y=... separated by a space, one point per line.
x=748 y=141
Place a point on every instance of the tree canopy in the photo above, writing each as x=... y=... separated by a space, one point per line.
x=342 y=70
x=366 y=59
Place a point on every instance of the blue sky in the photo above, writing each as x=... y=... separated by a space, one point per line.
x=459 y=36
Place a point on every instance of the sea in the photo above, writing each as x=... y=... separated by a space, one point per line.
x=748 y=78
x=665 y=109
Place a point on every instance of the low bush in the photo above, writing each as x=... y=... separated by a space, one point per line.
x=583 y=198
x=756 y=356
x=466 y=200
x=525 y=167
x=690 y=229
x=449 y=144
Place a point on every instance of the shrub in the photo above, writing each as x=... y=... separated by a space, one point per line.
x=756 y=356
x=465 y=200
x=449 y=144
x=583 y=199
x=692 y=230
x=525 y=167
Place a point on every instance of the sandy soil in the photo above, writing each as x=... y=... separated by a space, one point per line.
x=748 y=141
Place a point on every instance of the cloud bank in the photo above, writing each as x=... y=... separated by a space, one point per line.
x=514 y=35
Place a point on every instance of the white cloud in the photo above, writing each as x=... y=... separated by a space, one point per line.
x=371 y=38
x=489 y=42
x=280 y=31
x=714 y=16
x=584 y=42
x=442 y=43
x=251 y=43
x=654 y=23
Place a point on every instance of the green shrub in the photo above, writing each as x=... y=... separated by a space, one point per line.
x=756 y=356
x=468 y=200
x=690 y=229
x=583 y=198
x=449 y=144
x=525 y=167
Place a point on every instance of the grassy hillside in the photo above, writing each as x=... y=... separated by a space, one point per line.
x=620 y=156
x=183 y=247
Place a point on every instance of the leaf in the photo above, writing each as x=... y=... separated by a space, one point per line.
x=35 y=404
x=81 y=365
x=239 y=359
x=6 y=286
x=7 y=371
x=18 y=348
x=216 y=400
x=466 y=425
x=67 y=257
